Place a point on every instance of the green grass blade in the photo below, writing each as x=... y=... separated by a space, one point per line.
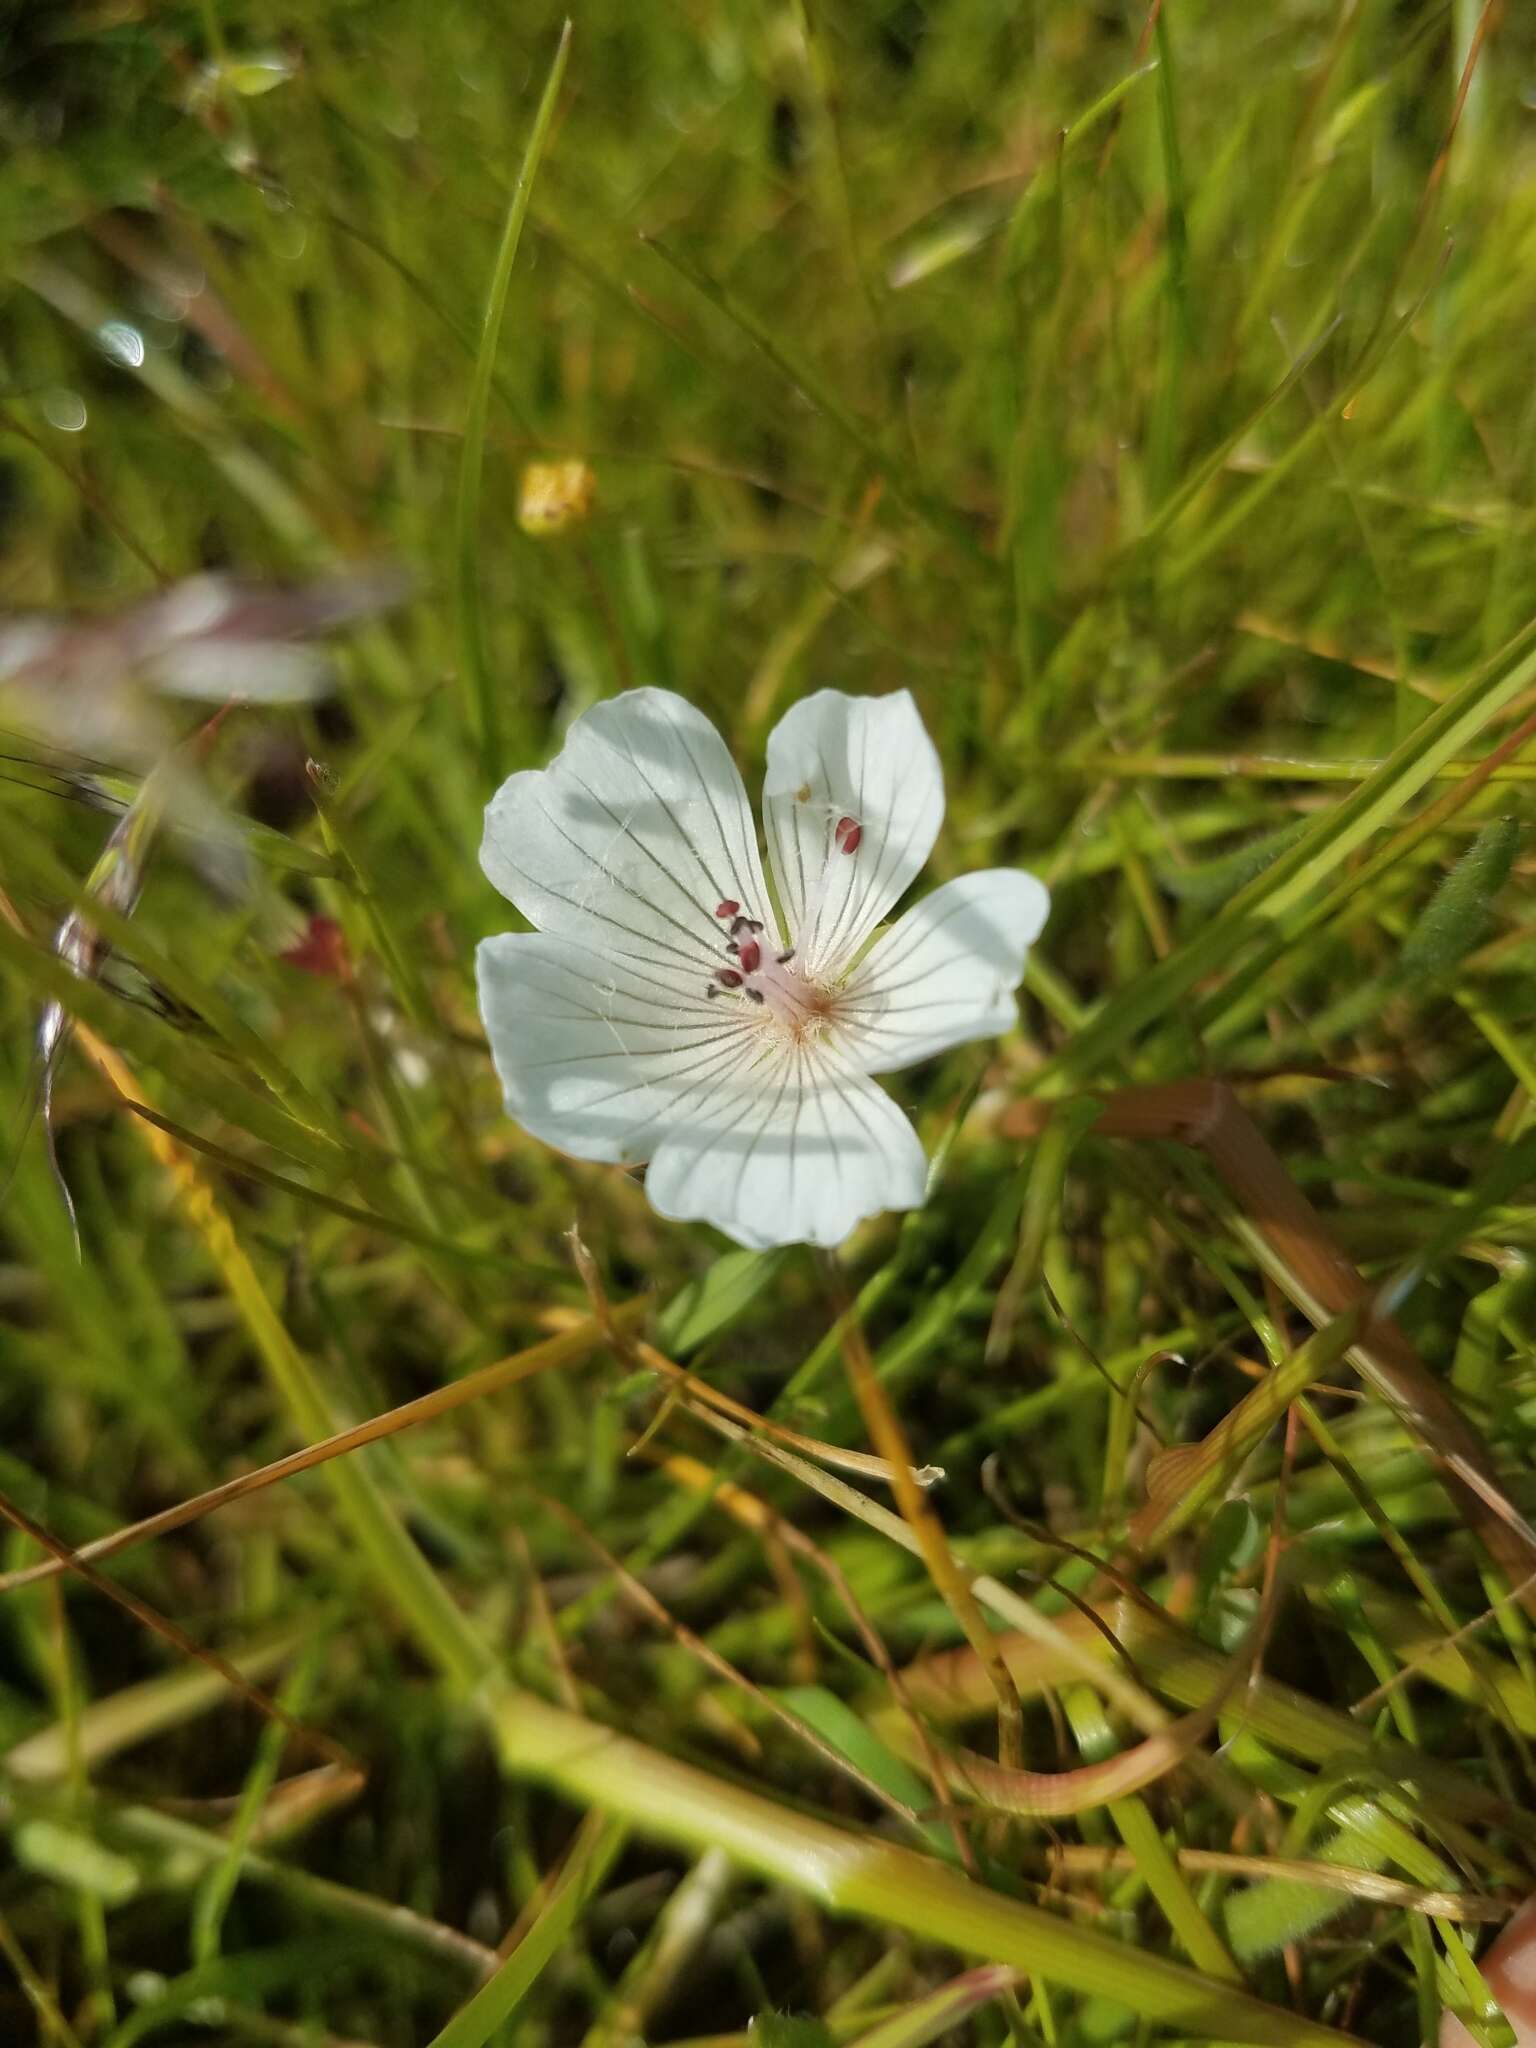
x=494 y=2003
x=847 y=1873
x=479 y=686
x=1312 y=860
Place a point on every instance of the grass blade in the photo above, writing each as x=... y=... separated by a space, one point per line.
x=473 y=2025
x=479 y=686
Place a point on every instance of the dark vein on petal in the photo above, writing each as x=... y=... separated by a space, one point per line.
x=586 y=996
x=745 y=870
x=700 y=1073
x=628 y=832
x=604 y=917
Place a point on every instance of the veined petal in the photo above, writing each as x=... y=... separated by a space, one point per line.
x=631 y=838
x=945 y=973
x=805 y=1149
x=834 y=761
x=598 y=1057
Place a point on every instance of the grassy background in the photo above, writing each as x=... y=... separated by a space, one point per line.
x=1153 y=399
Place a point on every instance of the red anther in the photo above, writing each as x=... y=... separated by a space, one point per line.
x=727 y=977
x=848 y=832
x=750 y=954
x=322 y=950
x=728 y=908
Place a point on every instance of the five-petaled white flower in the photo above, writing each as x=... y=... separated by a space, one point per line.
x=662 y=1011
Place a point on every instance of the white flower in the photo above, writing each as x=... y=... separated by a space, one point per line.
x=663 y=1013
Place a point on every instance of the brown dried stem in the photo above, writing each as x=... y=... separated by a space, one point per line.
x=1294 y=1245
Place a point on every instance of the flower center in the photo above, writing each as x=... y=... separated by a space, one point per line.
x=759 y=975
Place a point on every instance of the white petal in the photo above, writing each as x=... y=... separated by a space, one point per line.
x=946 y=972
x=25 y=640
x=631 y=837
x=598 y=1058
x=799 y=1151
x=832 y=757
x=260 y=671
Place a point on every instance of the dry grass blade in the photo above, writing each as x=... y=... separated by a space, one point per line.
x=55 y=2026
x=951 y=1686
x=754 y=1513
x=1068 y=1654
x=1183 y=1479
x=1057 y=1637
x=1074 y=1859
x=171 y=1632
x=644 y=1601
x=1294 y=1244
x=1154 y=1651
x=1036 y=1793
x=1522 y=1591
x=691 y=1388
x=941 y=2010
x=918 y=1514
x=120 y=1719
x=696 y=1391
x=565 y=1349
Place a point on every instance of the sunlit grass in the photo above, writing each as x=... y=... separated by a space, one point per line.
x=1151 y=397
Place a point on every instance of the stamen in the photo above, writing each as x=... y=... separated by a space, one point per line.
x=759 y=975
x=848 y=832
